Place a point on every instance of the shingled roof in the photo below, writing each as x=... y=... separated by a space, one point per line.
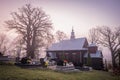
x=74 y=44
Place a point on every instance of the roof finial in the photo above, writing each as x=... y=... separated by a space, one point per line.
x=72 y=29
x=72 y=34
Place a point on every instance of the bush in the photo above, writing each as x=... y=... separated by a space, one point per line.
x=60 y=62
x=6 y=63
x=116 y=71
x=25 y=60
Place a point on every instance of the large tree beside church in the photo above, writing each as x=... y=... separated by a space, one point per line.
x=35 y=27
x=107 y=37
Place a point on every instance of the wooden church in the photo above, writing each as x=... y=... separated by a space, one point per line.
x=76 y=50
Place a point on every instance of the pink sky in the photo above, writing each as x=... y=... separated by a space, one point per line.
x=81 y=14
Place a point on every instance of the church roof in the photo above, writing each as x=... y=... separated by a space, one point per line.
x=74 y=44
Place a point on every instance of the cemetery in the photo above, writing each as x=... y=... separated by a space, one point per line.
x=60 y=60
x=50 y=64
x=72 y=55
x=35 y=43
x=71 y=59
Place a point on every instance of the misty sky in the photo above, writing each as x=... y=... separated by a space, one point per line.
x=81 y=14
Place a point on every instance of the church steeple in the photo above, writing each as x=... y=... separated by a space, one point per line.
x=72 y=34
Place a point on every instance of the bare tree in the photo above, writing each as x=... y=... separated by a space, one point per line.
x=4 y=43
x=93 y=35
x=34 y=26
x=109 y=38
x=60 y=36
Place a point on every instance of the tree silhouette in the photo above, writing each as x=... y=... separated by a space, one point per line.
x=60 y=36
x=5 y=44
x=34 y=26
x=110 y=38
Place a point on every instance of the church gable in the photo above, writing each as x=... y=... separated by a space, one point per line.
x=85 y=43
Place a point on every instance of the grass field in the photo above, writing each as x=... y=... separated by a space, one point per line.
x=16 y=73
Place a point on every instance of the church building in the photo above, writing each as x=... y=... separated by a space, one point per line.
x=76 y=50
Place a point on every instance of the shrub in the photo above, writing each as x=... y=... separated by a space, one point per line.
x=25 y=60
x=116 y=71
x=6 y=63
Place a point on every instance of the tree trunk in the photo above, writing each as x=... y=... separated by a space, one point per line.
x=113 y=60
x=119 y=57
x=31 y=52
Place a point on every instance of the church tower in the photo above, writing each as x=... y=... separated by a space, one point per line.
x=72 y=35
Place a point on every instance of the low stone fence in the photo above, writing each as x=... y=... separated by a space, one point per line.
x=62 y=68
x=65 y=68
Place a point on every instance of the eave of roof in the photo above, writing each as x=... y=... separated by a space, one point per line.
x=84 y=49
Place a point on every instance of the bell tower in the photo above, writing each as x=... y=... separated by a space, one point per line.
x=72 y=34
